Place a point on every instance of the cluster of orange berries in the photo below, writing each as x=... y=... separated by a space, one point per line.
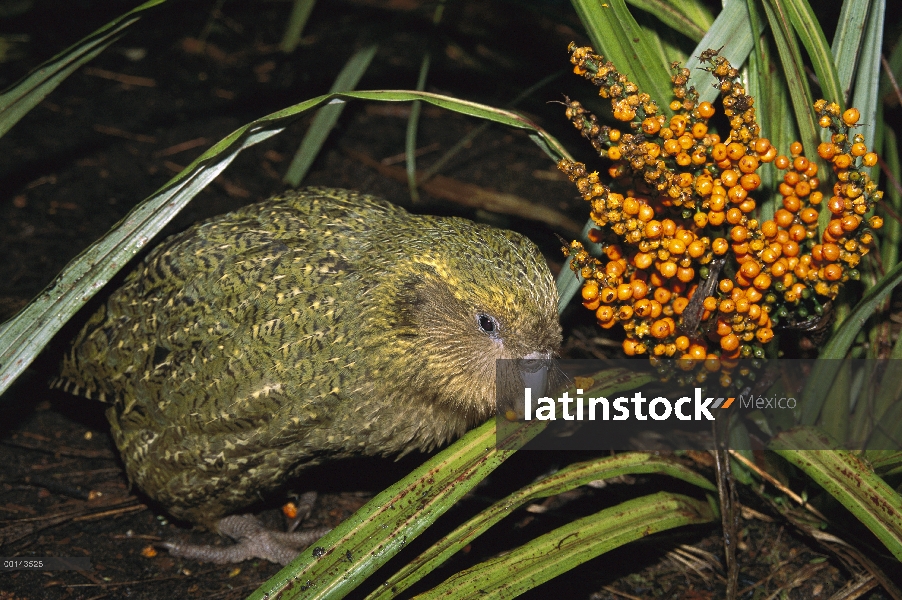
x=684 y=265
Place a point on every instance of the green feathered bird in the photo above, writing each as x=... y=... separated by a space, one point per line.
x=316 y=325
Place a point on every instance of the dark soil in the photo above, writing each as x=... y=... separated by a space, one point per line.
x=181 y=79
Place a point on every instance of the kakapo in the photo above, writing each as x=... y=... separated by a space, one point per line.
x=316 y=325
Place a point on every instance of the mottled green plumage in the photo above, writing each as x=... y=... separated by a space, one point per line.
x=319 y=324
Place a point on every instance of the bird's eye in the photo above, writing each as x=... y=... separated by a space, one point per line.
x=487 y=324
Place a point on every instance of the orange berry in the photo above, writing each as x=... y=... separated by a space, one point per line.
x=660 y=329
x=850 y=222
x=737 y=194
x=667 y=269
x=764 y=335
x=668 y=227
x=716 y=218
x=832 y=272
x=729 y=342
x=779 y=268
x=869 y=159
x=735 y=151
x=750 y=269
x=762 y=145
x=800 y=164
x=750 y=182
x=876 y=222
x=830 y=252
x=781 y=162
x=729 y=178
x=656 y=309
x=797 y=233
x=717 y=202
x=696 y=249
x=676 y=247
x=625 y=313
x=705 y=110
x=791 y=203
x=769 y=155
x=604 y=313
x=808 y=215
x=842 y=161
x=590 y=290
x=739 y=234
x=640 y=289
x=734 y=216
x=795 y=148
x=783 y=218
x=725 y=285
x=653 y=229
x=630 y=206
x=662 y=295
x=719 y=152
x=827 y=150
x=646 y=213
x=608 y=295
x=685 y=274
x=710 y=303
x=762 y=282
x=851 y=116
x=769 y=229
x=651 y=126
x=720 y=246
x=836 y=205
x=642 y=260
x=632 y=347
x=624 y=292
x=727 y=305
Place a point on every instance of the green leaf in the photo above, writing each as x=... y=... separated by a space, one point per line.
x=732 y=31
x=768 y=87
x=560 y=550
x=23 y=336
x=564 y=480
x=300 y=13
x=676 y=18
x=615 y=34
x=808 y=28
x=847 y=478
x=327 y=116
x=410 y=139
x=867 y=73
x=846 y=42
x=346 y=556
x=821 y=378
x=891 y=234
x=27 y=93
x=794 y=69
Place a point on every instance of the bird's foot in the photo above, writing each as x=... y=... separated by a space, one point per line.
x=253 y=540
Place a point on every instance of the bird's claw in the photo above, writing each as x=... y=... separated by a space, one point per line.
x=253 y=540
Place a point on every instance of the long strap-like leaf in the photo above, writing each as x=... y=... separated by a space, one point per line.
x=25 y=94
